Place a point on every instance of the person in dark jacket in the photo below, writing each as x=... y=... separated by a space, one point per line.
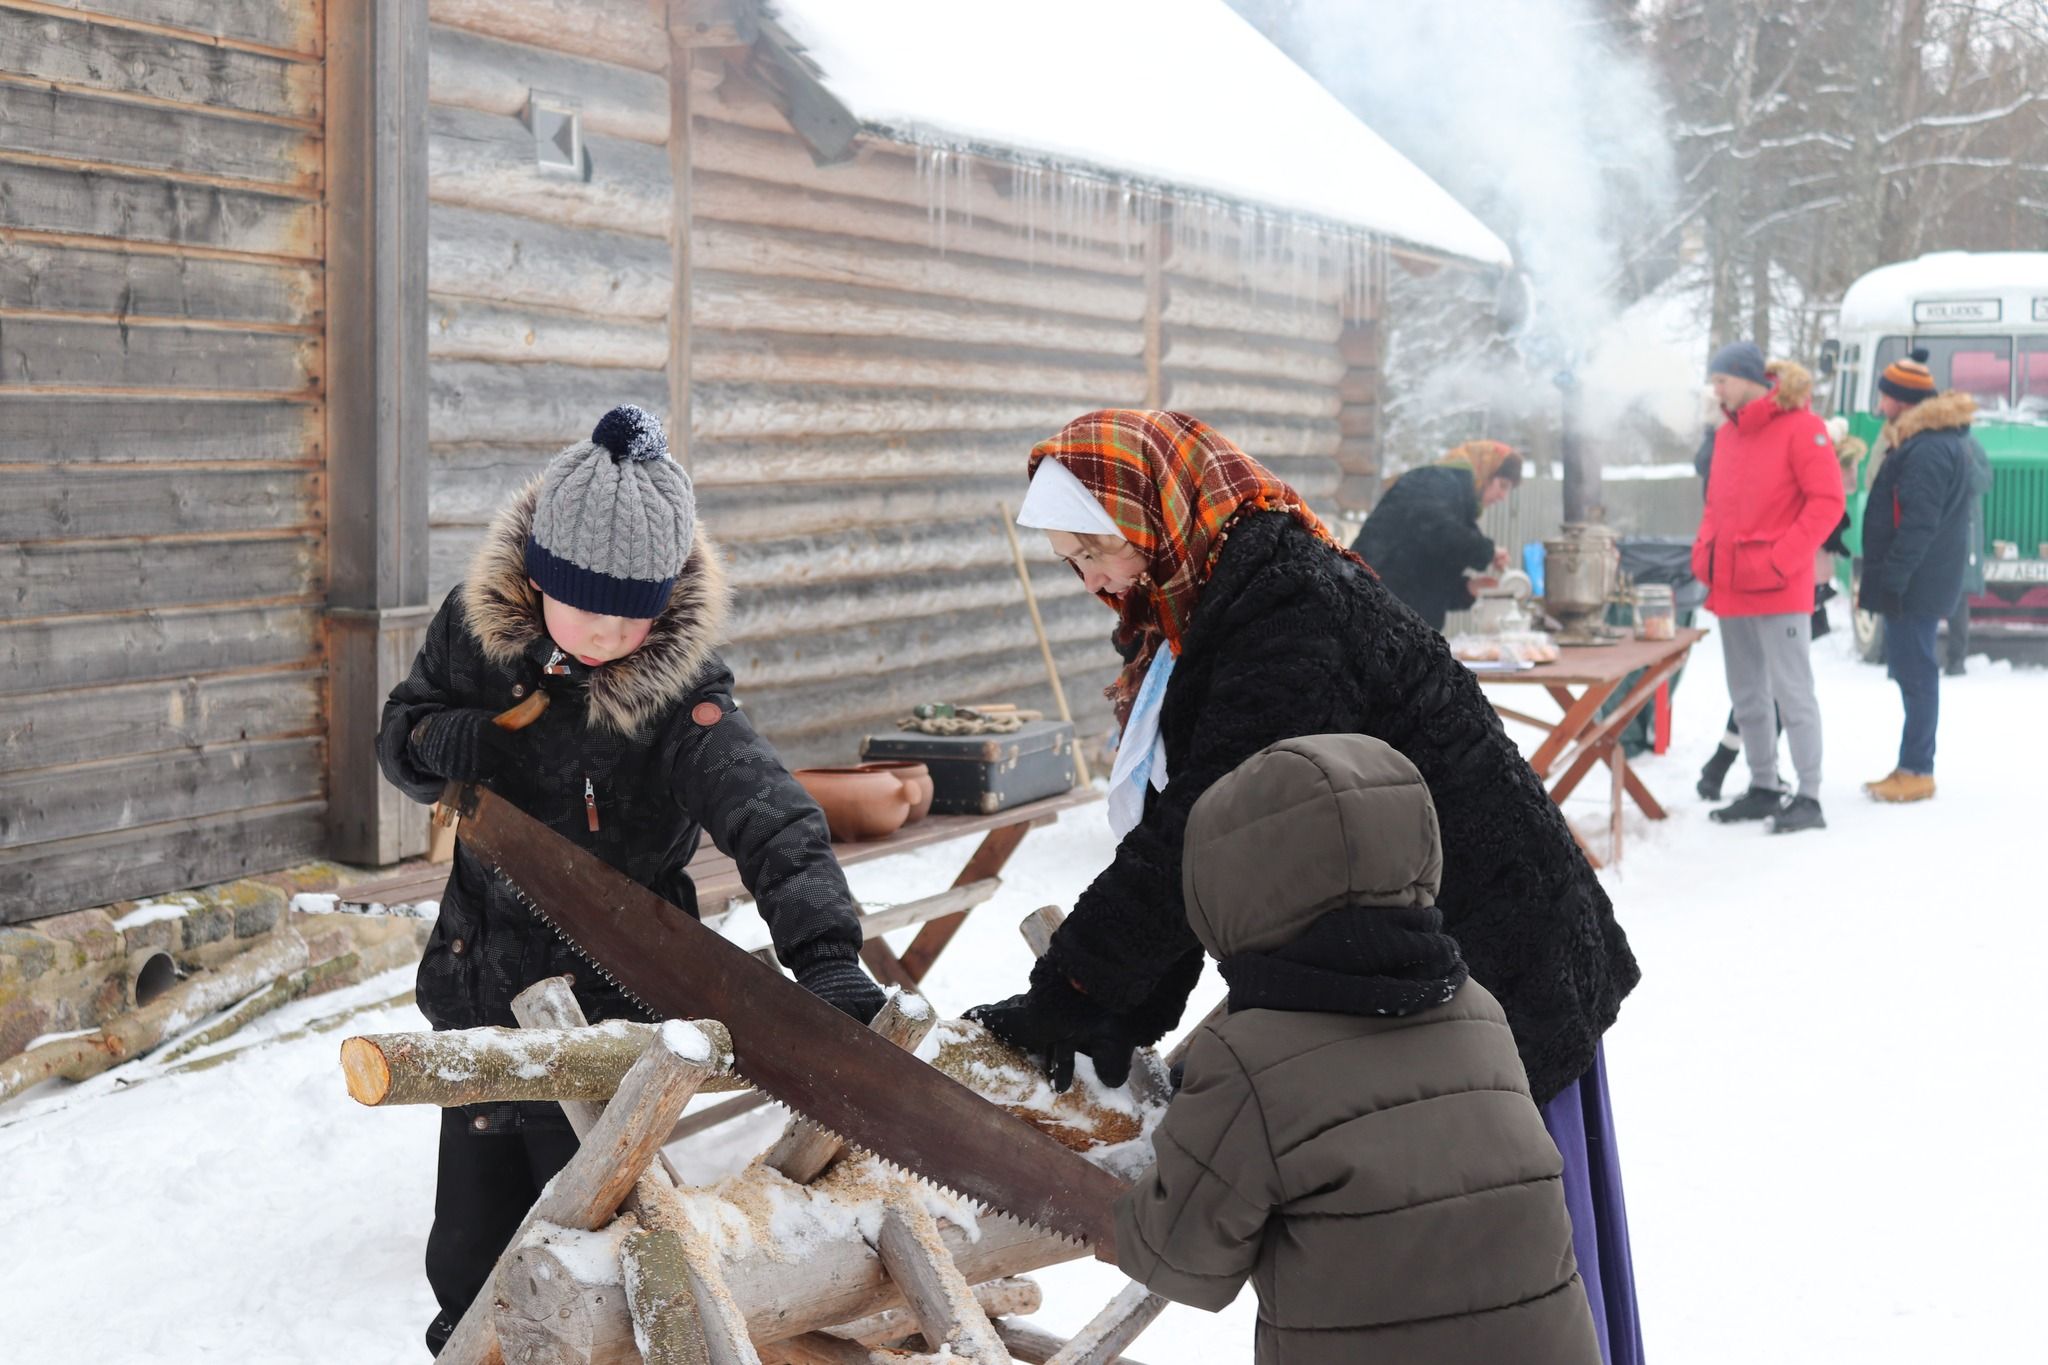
x=1255 y=626
x=1916 y=550
x=1424 y=533
x=1396 y=1199
x=595 y=588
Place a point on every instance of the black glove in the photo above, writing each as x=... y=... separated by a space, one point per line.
x=460 y=744
x=836 y=978
x=1052 y=1021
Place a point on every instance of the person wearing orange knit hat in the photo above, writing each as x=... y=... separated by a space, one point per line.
x=1916 y=549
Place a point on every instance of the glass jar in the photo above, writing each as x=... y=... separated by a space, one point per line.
x=1656 y=613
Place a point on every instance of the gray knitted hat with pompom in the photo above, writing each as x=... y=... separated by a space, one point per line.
x=615 y=520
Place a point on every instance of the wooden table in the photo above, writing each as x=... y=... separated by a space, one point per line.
x=718 y=878
x=1581 y=682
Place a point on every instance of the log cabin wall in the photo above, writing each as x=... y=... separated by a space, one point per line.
x=162 y=536
x=876 y=345
x=548 y=292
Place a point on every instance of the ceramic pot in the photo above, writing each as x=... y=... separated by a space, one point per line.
x=916 y=779
x=858 y=804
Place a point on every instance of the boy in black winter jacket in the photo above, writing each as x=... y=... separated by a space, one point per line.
x=594 y=588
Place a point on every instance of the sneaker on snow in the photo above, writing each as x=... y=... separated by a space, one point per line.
x=1903 y=786
x=1758 y=803
x=1800 y=813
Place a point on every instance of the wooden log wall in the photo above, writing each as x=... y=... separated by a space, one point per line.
x=866 y=374
x=548 y=293
x=162 y=506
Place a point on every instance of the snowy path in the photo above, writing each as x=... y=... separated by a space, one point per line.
x=1828 y=1094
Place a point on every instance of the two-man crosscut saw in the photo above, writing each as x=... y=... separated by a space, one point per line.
x=820 y=1062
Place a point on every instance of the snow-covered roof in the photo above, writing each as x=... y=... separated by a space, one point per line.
x=1885 y=297
x=1179 y=94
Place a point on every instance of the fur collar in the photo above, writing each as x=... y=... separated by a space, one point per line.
x=1794 y=384
x=624 y=695
x=1940 y=413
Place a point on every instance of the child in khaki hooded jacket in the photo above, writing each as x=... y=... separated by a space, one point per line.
x=1357 y=1136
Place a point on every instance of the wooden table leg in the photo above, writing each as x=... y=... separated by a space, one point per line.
x=1578 y=714
x=1617 y=767
x=988 y=861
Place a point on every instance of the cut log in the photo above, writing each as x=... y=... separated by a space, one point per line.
x=804 y=1149
x=1011 y=1294
x=135 y=1033
x=546 y=1312
x=1114 y=1328
x=653 y=1199
x=666 y=1325
x=1034 y=1345
x=322 y=975
x=614 y=1156
x=494 y=1065
x=1151 y=1084
x=938 y=1294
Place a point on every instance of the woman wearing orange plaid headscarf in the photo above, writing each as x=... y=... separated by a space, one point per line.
x=1243 y=623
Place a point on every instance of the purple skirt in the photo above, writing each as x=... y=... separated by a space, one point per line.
x=1582 y=1125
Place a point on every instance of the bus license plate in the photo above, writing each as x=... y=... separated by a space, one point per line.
x=2016 y=571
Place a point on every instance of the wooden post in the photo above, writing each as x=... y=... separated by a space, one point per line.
x=616 y=1152
x=1157 y=240
x=938 y=1294
x=376 y=292
x=1114 y=1328
x=665 y=1317
x=1052 y=669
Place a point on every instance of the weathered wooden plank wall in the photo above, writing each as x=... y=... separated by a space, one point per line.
x=548 y=293
x=866 y=374
x=162 y=500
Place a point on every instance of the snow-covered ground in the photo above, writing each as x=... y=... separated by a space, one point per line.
x=1828 y=1090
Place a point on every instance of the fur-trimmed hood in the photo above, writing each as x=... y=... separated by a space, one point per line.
x=1793 y=386
x=1953 y=409
x=504 y=611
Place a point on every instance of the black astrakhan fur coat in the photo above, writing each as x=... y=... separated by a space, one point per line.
x=1292 y=639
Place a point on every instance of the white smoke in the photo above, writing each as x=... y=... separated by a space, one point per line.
x=1549 y=126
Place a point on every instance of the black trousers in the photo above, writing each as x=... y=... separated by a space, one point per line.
x=485 y=1186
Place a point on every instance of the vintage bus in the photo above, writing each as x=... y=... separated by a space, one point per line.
x=1983 y=318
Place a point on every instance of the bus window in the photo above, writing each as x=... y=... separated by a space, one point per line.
x=1979 y=366
x=2033 y=379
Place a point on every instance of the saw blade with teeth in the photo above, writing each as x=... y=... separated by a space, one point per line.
x=845 y=1078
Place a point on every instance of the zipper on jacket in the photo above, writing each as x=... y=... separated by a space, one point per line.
x=589 y=803
x=554 y=666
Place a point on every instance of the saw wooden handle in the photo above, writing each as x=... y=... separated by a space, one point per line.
x=524 y=714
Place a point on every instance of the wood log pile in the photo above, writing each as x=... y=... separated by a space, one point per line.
x=810 y=1254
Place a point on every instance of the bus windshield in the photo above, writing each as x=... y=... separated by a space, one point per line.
x=1980 y=366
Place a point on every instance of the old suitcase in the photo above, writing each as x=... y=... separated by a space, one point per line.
x=983 y=774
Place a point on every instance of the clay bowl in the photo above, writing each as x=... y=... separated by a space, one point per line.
x=858 y=804
x=916 y=779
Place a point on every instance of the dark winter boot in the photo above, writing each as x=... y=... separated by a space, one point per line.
x=1715 y=773
x=1758 y=803
x=1801 y=812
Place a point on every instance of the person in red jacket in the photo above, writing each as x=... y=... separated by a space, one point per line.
x=1776 y=495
